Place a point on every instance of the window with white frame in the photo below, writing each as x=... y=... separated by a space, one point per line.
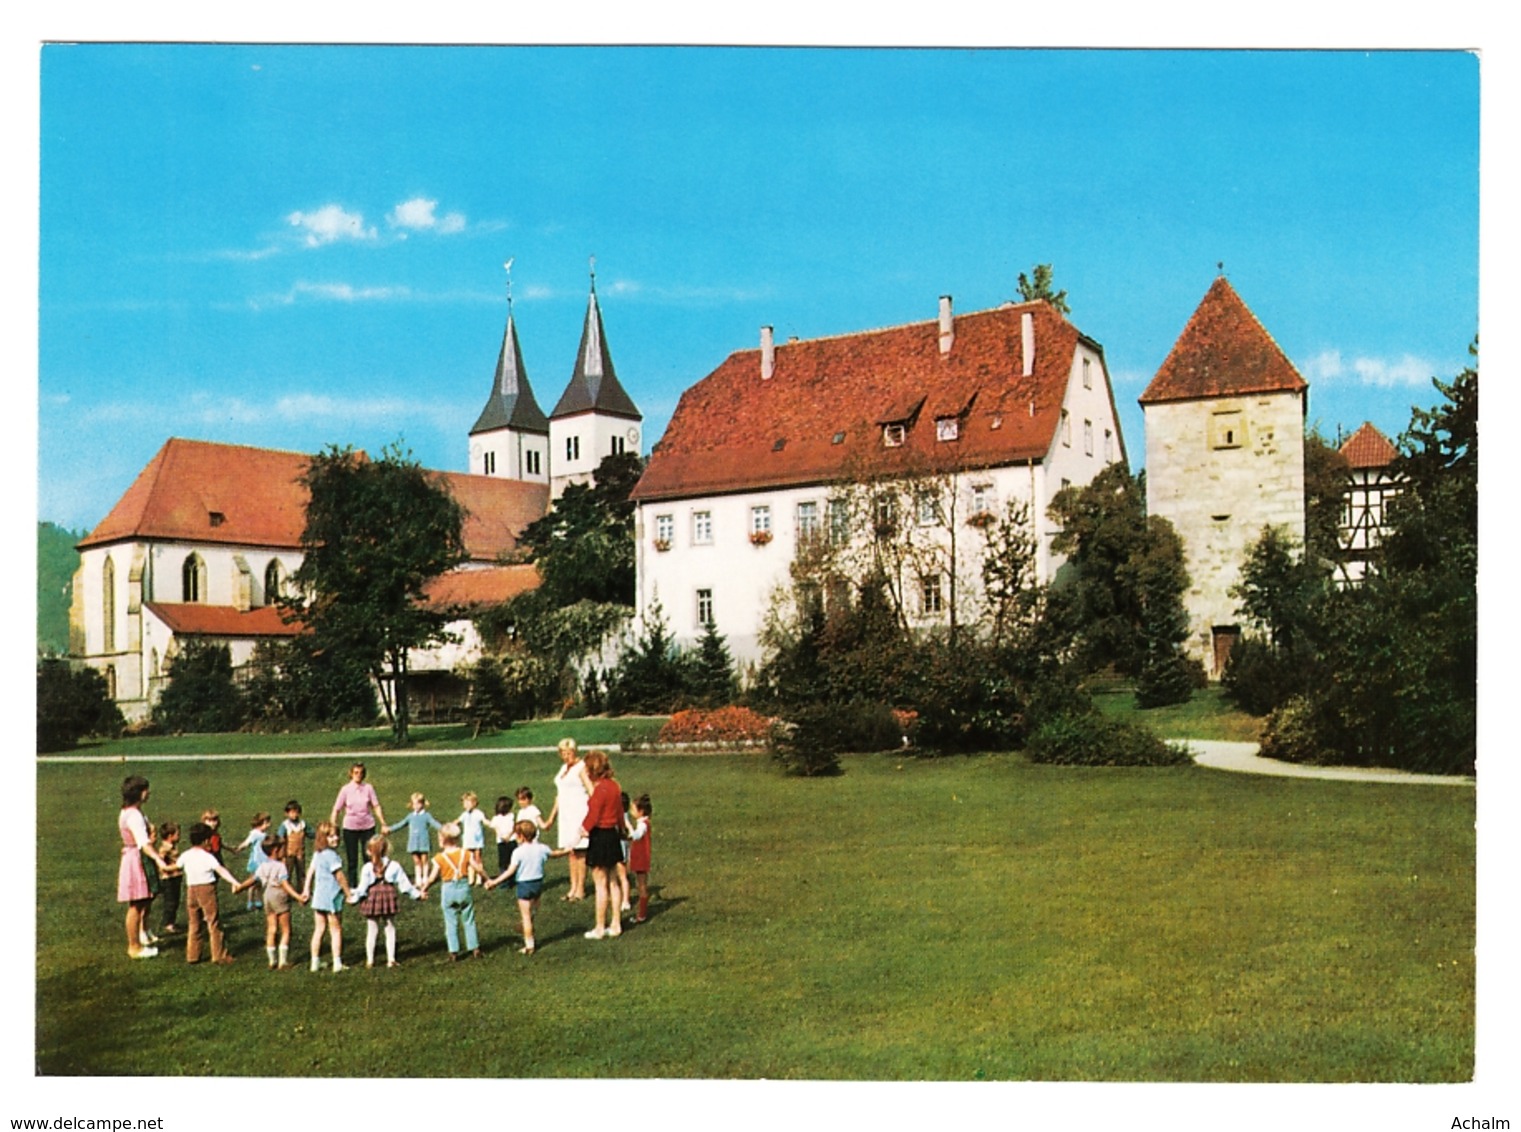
x=760 y=520
x=982 y=499
x=886 y=516
x=1087 y=438
x=807 y=521
x=533 y=461
x=1066 y=429
x=927 y=508
x=947 y=428
x=572 y=447
x=193 y=579
x=931 y=596
x=839 y=521
x=1108 y=446
x=665 y=530
x=618 y=446
x=1087 y=373
x=704 y=607
x=274 y=581
x=893 y=435
x=702 y=528
x=489 y=464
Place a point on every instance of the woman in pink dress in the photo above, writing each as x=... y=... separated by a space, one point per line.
x=357 y=812
x=131 y=877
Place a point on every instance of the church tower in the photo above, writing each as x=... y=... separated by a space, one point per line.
x=1225 y=422
x=511 y=436
x=594 y=417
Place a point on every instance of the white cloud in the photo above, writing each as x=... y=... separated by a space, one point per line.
x=330 y=292
x=1406 y=370
x=329 y=223
x=420 y=215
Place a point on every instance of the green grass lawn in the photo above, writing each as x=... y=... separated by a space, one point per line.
x=952 y=919
x=1208 y=715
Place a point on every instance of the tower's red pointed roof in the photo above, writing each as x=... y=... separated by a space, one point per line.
x=1223 y=352
x=1368 y=448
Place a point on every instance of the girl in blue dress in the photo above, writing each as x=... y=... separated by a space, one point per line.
x=419 y=825
x=327 y=888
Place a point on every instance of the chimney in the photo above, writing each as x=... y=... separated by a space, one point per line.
x=768 y=354
x=1027 y=341
x=947 y=326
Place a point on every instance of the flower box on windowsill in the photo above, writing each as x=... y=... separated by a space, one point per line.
x=760 y=538
x=662 y=544
x=982 y=520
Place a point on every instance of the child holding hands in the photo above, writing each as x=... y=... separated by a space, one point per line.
x=376 y=897
x=273 y=877
x=419 y=825
x=458 y=871
x=326 y=888
x=528 y=865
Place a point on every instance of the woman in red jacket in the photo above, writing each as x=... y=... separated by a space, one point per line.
x=603 y=825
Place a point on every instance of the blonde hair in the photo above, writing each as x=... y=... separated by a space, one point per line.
x=567 y=744
x=377 y=848
x=417 y=796
x=470 y=798
x=448 y=833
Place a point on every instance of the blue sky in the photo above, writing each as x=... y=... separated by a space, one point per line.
x=295 y=246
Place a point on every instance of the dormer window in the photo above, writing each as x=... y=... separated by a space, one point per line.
x=217 y=518
x=893 y=435
x=947 y=428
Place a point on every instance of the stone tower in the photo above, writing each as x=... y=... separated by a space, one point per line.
x=594 y=417
x=1225 y=419
x=511 y=436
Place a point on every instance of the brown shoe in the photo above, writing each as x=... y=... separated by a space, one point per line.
x=224 y=960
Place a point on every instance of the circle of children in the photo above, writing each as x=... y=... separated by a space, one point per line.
x=296 y=863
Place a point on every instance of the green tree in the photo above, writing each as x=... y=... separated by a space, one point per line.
x=653 y=676
x=56 y=562
x=1326 y=476
x=1160 y=580
x=377 y=532
x=490 y=698
x=1038 y=284
x=711 y=675
x=1396 y=683
x=72 y=703
x=584 y=547
x=200 y=695
x=296 y=682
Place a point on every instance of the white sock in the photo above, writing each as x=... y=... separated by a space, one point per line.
x=391 y=941
x=371 y=931
x=316 y=962
x=284 y=954
x=270 y=951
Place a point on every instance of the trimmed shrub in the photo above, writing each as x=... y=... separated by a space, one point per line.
x=490 y=701
x=1291 y=734
x=200 y=695
x=1092 y=740
x=1259 y=677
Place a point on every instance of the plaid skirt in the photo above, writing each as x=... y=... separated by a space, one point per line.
x=380 y=900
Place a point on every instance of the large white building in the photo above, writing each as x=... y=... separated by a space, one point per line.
x=979 y=410
x=204 y=540
x=1225 y=418
x=1370 y=457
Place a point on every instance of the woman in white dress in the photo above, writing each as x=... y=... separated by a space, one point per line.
x=572 y=788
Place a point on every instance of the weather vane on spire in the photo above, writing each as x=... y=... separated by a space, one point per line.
x=592 y=260
x=1220 y=266
x=507 y=267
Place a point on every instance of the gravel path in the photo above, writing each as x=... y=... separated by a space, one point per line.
x=1243 y=758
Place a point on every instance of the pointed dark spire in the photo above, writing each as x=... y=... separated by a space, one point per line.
x=594 y=385
x=511 y=404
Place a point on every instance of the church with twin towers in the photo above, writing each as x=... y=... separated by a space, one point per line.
x=594 y=417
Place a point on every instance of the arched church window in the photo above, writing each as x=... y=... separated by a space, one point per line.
x=274 y=581
x=108 y=604
x=193 y=579
x=111 y=680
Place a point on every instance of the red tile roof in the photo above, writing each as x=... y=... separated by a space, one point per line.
x=488 y=586
x=819 y=417
x=1368 y=448
x=1223 y=352
x=196 y=491
x=222 y=620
